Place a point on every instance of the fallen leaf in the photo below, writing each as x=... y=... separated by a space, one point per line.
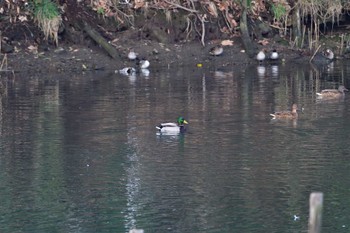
x=233 y=23
x=224 y=30
x=223 y=6
x=212 y=9
x=22 y=18
x=33 y=49
x=139 y=4
x=227 y=43
x=263 y=42
x=115 y=40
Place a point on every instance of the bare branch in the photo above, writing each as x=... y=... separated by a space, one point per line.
x=181 y=7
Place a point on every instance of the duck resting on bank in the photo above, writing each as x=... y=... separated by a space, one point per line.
x=332 y=93
x=274 y=55
x=260 y=57
x=178 y=127
x=216 y=50
x=286 y=114
x=132 y=55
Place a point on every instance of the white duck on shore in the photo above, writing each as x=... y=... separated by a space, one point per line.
x=261 y=56
x=274 y=55
x=132 y=55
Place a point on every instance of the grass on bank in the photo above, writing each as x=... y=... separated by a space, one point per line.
x=47 y=16
x=313 y=13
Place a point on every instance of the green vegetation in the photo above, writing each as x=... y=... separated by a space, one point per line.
x=100 y=11
x=47 y=16
x=45 y=9
x=279 y=11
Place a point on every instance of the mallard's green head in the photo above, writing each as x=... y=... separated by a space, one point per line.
x=181 y=121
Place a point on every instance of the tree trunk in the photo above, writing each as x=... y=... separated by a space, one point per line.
x=296 y=26
x=245 y=32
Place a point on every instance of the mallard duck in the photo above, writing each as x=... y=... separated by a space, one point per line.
x=261 y=56
x=286 y=114
x=217 y=50
x=132 y=55
x=332 y=93
x=178 y=127
x=274 y=55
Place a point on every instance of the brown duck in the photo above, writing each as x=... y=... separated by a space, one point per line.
x=286 y=114
x=332 y=93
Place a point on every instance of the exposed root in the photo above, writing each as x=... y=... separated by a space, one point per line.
x=4 y=63
x=202 y=19
x=181 y=7
x=188 y=27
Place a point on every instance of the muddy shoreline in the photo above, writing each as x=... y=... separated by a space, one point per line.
x=78 y=58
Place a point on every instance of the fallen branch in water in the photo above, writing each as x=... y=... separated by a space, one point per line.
x=315 y=53
x=4 y=62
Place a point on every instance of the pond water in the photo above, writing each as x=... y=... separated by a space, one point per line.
x=81 y=154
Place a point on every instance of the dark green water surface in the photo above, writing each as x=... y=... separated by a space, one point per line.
x=81 y=154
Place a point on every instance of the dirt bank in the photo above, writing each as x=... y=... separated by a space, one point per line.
x=73 y=58
x=162 y=43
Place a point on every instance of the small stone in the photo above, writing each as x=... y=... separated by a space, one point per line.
x=155 y=51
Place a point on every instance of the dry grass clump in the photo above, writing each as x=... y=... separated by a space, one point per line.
x=320 y=11
x=47 y=16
